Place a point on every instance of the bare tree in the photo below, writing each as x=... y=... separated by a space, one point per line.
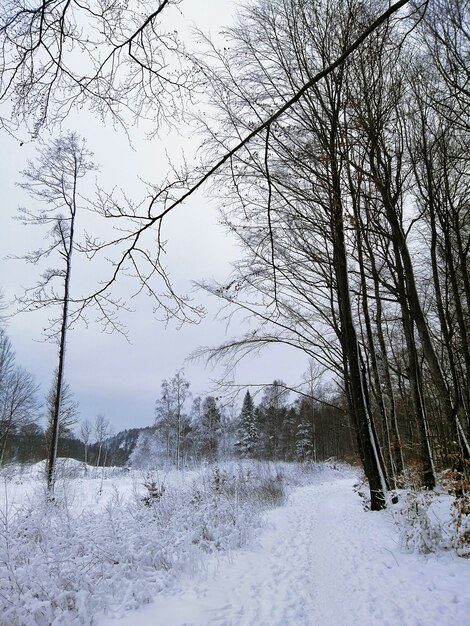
x=128 y=57
x=68 y=412
x=85 y=432
x=294 y=222
x=102 y=432
x=19 y=404
x=54 y=180
x=117 y=59
x=170 y=416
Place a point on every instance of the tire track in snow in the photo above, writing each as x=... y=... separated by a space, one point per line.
x=322 y=561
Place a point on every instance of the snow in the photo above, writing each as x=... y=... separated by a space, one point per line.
x=321 y=560
x=207 y=551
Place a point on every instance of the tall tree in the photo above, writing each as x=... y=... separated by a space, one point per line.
x=294 y=224
x=209 y=428
x=133 y=63
x=271 y=421
x=53 y=180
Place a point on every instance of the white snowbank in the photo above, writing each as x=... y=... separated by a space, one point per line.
x=322 y=561
x=112 y=544
x=174 y=549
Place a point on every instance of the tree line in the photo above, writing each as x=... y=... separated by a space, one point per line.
x=277 y=428
x=186 y=430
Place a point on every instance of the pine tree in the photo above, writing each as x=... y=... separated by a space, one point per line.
x=248 y=436
x=305 y=435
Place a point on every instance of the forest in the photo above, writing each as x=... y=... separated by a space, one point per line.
x=333 y=139
x=338 y=141
x=352 y=214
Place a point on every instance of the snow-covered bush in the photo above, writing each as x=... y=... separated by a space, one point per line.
x=155 y=489
x=461 y=522
x=63 y=562
x=420 y=530
x=432 y=522
x=458 y=485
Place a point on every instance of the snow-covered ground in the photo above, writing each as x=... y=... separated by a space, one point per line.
x=208 y=551
x=321 y=561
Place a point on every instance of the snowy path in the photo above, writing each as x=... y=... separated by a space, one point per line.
x=322 y=561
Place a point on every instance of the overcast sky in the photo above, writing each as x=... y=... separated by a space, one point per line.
x=107 y=374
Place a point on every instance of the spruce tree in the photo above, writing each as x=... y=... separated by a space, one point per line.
x=247 y=429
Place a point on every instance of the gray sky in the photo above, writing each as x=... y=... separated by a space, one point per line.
x=107 y=374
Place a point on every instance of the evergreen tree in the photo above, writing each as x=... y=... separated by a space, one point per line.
x=288 y=443
x=248 y=436
x=305 y=435
x=209 y=427
x=271 y=418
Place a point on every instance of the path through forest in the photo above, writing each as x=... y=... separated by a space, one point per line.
x=323 y=561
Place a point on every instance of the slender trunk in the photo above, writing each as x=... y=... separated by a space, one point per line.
x=99 y=456
x=5 y=439
x=53 y=445
x=353 y=375
x=372 y=351
x=415 y=378
x=178 y=440
x=67 y=240
x=397 y=452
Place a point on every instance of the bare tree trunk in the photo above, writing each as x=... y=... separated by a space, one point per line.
x=62 y=345
x=355 y=384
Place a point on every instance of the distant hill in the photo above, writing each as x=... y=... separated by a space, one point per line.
x=120 y=446
x=30 y=447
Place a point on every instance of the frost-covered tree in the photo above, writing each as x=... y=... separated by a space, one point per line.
x=148 y=452
x=248 y=436
x=305 y=432
x=85 y=434
x=19 y=404
x=171 y=421
x=209 y=428
x=53 y=184
x=102 y=431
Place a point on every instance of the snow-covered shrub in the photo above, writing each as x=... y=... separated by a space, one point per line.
x=433 y=521
x=461 y=523
x=155 y=489
x=420 y=531
x=63 y=562
x=458 y=486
